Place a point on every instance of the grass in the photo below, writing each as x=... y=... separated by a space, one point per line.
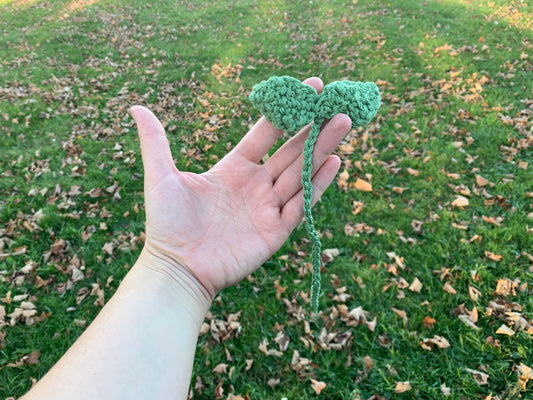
x=455 y=78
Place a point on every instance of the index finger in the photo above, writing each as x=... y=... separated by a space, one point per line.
x=263 y=134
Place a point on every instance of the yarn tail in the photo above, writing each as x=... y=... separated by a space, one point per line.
x=308 y=196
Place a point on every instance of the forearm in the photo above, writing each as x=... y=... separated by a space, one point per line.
x=141 y=345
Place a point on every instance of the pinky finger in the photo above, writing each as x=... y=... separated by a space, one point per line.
x=292 y=212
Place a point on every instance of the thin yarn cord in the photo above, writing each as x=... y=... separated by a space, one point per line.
x=307 y=170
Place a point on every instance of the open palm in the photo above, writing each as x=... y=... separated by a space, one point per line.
x=223 y=224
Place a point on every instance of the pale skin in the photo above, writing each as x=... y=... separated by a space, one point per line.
x=204 y=232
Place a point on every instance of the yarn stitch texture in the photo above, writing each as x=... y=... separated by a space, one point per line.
x=290 y=105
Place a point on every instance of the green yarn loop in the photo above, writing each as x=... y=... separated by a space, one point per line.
x=290 y=105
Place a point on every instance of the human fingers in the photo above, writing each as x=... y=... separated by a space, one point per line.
x=292 y=212
x=155 y=149
x=263 y=134
x=287 y=169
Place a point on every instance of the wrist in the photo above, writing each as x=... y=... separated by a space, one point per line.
x=174 y=280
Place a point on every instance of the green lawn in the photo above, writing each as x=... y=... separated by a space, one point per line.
x=430 y=292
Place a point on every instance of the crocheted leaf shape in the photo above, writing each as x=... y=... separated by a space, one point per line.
x=289 y=104
x=285 y=101
x=359 y=100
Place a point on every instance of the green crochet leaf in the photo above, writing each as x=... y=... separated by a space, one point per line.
x=359 y=100
x=286 y=102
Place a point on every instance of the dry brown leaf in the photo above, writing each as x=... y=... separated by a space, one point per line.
x=398 y=190
x=439 y=341
x=416 y=286
x=279 y=289
x=362 y=186
x=357 y=207
x=505 y=287
x=428 y=322
x=481 y=378
x=460 y=202
x=342 y=180
x=273 y=382
x=231 y=396
x=402 y=314
x=467 y=321
x=368 y=363
x=221 y=369
x=269 y=352
x=446 y=391
x=402 y=387
x=505 y=330
x=525 y=374
x=329 y=255
x=318 y=386
x=494 y=221
x=219 y=390
x=474 y=293
x=448 y=288
x=480 y=181
x=493 y=257
x=32 y=358
x=453 y=176
x=411 y=171
x=249 y=363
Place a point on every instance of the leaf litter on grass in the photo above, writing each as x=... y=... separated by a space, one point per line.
x=434 y=184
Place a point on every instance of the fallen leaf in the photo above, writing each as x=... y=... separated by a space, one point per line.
x=249 y=363
x=505 y=330
x=494 y=221
x=525 y=374
x=318 y=386
x=505 y=287
x=279 y=289
x=231 y=396
x=221 y=369
x=428 y=322
x=474 y=293
x=480 y=181
x=357 y=207
x=446 y=391
x=439 y=341
x=448 y=288
x=398 y=190
x=481 y=378
x=460 y=202
x=368 y=363
x=492 y=256
x=273 y=382
x=32 y=358
x=402 y=387
x=219 y=390
x=468 y=322
x=342 y=180
x=329 y=255
x=402 y=314
x=362 y=186
x=269 y=352
x=416 y=286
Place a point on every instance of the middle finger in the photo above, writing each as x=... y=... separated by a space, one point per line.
x=286 y=168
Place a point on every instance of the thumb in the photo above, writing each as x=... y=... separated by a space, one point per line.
x=155 y=150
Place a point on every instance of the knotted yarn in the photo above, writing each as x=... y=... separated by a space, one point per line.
x=290 y=105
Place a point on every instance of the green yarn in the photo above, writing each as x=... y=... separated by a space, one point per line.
x=290 y=105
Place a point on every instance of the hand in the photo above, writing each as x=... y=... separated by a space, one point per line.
x=221 y=225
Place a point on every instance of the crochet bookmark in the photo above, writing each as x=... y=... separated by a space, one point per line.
x=290 y=105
